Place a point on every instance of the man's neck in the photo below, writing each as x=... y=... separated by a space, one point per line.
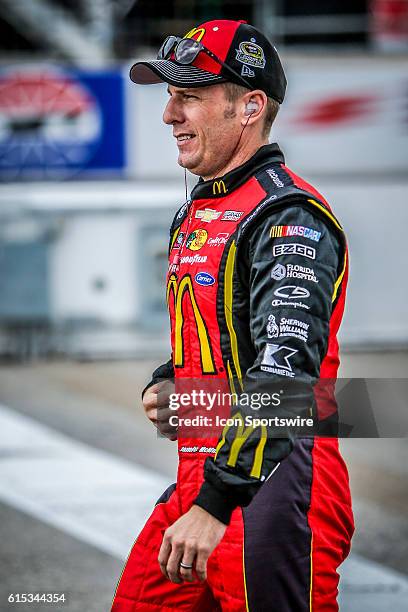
x=239 y=158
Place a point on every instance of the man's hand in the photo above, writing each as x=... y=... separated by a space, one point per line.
x=156 y=406
x=190 y=540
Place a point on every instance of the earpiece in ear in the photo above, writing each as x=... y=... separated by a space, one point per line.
x=251 y=107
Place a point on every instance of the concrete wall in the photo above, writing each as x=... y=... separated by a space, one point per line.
x=341 y=116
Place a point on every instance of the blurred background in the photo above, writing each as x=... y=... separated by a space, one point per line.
x=88 y=186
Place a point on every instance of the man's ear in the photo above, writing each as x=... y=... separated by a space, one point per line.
x=254 y=103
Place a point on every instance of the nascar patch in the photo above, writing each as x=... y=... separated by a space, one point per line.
x=280 y=231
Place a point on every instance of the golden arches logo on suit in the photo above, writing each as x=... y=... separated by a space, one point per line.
x=219 y=187
x=178 y=290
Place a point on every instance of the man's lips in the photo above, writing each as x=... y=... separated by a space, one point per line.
x=184 y=137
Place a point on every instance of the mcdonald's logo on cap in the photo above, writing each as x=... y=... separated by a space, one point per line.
x=194 y=31
x=218 y=187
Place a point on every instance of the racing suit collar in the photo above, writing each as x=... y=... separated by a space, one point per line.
x=222 y=185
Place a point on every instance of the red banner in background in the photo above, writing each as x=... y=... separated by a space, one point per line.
x=389 y=24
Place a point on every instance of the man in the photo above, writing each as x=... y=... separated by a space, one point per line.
x=256 y=289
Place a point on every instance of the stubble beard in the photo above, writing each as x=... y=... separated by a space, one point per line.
x=193 y=165
x=188 y=164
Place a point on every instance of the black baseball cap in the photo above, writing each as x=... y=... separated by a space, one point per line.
x=237 y=44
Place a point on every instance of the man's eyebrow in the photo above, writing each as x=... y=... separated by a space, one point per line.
x=180 y=90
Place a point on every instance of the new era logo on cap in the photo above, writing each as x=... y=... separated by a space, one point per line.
x=247 y=72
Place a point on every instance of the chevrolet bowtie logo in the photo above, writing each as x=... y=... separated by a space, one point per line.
x=207 y=215
x=218 y=187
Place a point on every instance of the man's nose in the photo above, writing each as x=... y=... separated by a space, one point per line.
x=173 y=112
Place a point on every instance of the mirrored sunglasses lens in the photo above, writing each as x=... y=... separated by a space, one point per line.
x=187 y=50
x=167 y=47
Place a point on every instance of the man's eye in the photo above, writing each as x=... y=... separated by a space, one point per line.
x=190 y=96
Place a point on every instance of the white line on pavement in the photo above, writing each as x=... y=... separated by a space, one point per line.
x=88 y=493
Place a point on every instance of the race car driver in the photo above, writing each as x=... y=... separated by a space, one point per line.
x=256 y=288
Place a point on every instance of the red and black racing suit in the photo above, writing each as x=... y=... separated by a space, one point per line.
x=256 y=290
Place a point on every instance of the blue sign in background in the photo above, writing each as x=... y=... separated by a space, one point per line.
x=109 y=90
x=58 y=124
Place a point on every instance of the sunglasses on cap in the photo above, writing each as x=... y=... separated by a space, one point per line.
x=186 y=51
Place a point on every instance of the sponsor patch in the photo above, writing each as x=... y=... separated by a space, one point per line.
x=280 y=271
x=280 y=231
x=207 y=215
x=291 y=304
x=197 y=239
x=182 y=210
x=179 y=240
x=272 y=329
x=287 y=327
x=276 y=359
x=204 y=278
x=275 y=178
x=232 y=215
x=219 y=187
x=218 y=240
x=197 y=449
x=251 y=54
x=193 y=259
x=292 y=292
x=294 y=249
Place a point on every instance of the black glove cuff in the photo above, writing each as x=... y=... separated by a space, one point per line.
x=215 y=502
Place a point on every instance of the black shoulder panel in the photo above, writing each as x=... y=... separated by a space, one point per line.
x=281 y=193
